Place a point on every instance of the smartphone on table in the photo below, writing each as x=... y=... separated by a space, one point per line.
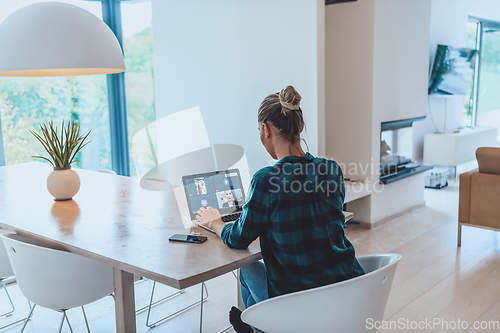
x=195 y=239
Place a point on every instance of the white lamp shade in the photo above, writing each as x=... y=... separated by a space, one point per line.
x=57 y=39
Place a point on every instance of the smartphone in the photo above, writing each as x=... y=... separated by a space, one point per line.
x=196 y=239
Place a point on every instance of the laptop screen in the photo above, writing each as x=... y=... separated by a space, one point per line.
x=220 y=189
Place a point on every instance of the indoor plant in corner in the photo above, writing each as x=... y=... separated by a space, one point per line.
x=62 y=147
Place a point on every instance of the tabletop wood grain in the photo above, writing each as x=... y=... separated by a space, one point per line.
x=116 y=220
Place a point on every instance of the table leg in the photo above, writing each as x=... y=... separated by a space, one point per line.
x=124 y=301
x=201 y=307
x=238 y=291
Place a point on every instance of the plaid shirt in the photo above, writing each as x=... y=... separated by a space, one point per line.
x=295 y=207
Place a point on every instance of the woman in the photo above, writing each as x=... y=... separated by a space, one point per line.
x=295 y=207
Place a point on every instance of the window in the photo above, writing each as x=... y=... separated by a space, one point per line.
x=486 y=103
x=27 y=102
x=138 y=49
x=98 y=102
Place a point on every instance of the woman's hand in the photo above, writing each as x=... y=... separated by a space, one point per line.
x=210 y=218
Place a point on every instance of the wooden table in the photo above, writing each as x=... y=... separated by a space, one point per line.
x=114 y=220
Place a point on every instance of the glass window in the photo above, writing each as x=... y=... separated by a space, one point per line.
x=138 y=50
x=488 y=108
x=26 y=102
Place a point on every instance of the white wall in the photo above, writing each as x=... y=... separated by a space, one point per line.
x=377 y=60
x=349 y=82
x=449 y=26
x=401 y=59
x=401 y=63
x=226 y=56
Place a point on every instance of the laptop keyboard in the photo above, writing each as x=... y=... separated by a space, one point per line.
x=230 y=218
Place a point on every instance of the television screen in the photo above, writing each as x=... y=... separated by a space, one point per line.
x=452 y=71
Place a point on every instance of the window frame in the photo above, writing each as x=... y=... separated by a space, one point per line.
x=2 y=155
x=481 y=25
x=117 y=102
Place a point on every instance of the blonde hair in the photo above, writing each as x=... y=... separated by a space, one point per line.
x=283 y=111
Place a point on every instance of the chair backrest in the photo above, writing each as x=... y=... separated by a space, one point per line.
x=54 y=278
x=108 y=171
x=216 y=157
x=488 y=160
x=347 y=306
x=5 y=268
x=168 y=137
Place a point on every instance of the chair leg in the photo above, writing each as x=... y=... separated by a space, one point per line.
x=459 y=235
x=230 y=327
x=152 y=304
x=86 y=321
x=62 y=322
x=12 y=307
x=64 y=317
x=172 y=315
x=69 y=325
x=201 y=308
x=28 y=318
x=67 y=320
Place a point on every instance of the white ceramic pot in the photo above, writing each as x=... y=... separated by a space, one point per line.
x=63 y=184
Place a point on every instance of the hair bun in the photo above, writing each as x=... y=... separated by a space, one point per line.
x=289 y=99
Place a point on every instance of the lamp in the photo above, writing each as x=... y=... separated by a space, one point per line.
x=57 y=39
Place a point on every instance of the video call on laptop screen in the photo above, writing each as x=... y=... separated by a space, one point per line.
x=221 y=190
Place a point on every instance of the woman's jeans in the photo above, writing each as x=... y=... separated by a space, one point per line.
x=253 y=280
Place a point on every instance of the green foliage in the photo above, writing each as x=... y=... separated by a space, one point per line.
x=139 y=84
x=27 y=102
x=139 y=51
x=490 y=60
x=62 y=146
x=489 y=99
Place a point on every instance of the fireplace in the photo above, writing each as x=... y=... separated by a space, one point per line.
x=396 y=151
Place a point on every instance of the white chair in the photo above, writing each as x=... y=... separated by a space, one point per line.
x=160 y=166
x=339 y=307
x=7 y=277
x=158 y=185
x=168 y=137
x=107 y=171
x=56 y=279
x=5 y=273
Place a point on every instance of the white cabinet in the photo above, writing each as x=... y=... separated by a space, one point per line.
x=452 y=149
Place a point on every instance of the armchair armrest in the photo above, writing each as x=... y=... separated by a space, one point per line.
x=465 y=196
x=484 y=199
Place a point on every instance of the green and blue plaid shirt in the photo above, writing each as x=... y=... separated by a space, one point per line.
x=295 y=207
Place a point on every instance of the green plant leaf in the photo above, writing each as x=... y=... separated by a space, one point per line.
x=61 y=146
x=44 y=158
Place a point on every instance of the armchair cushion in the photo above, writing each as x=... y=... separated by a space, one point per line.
x=488 y=159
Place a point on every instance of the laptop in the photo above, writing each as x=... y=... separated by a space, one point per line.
x=222 y=190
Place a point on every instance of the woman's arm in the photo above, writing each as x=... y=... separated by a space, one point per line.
x=210 y=217
x=255 y=213
x=249 y=226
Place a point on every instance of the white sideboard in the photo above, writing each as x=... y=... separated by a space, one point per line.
x=452 y=149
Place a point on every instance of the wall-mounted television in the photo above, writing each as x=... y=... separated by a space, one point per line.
x=452 y=71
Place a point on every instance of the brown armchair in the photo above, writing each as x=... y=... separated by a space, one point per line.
x=479 y=200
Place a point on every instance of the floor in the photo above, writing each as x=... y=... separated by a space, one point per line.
x=435 y=279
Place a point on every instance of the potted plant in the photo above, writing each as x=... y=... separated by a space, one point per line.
x=62 y=147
